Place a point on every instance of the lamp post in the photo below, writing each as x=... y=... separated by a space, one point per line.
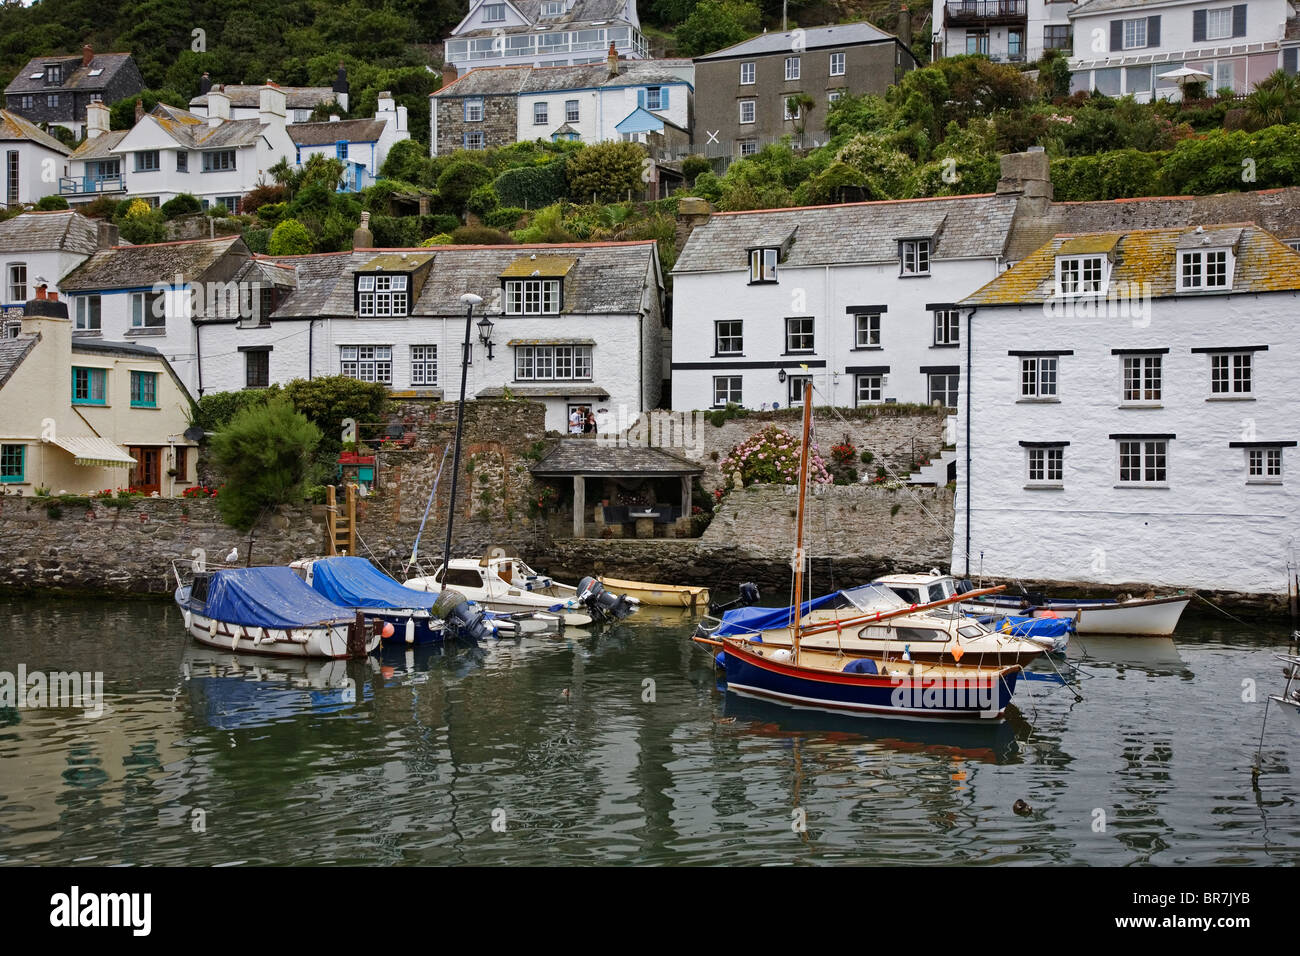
x=484 y=326
x=470 y=300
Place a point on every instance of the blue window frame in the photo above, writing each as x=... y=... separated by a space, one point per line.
x=341 y=150
x=144 y=389
x=88 y=386
x=13 y=458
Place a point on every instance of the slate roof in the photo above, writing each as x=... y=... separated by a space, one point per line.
x=813 y=39
x=582 y=12
x=1150 y=256
x=509 y=80
x=73 y=79
x=133 y=267
x=101 y=147
x=249 y=97
x=193 y=132
x=13 y=126
x=586 y=456
x=64 y=230
x=12 y=353
x=965 y=227
x=608 y=277
x=1277 y=210
x=327 y=134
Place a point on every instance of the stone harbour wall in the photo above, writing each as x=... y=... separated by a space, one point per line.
x=88 y=546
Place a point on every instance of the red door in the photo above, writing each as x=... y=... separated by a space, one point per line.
x=146 y=475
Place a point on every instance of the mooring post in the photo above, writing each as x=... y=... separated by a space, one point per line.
x=357 y=637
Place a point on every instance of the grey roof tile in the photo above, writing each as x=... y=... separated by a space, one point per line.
x=12 y=353
x=589 y=456
x=13 y=126
x=42 y=231
x=101 y=147
x=505 y=80
x=76 y=76
x=126 y=267
x=249 y=96
x=813 y=38
x=326 y=134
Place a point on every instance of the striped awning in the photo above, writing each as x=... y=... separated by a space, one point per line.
x=95 y=452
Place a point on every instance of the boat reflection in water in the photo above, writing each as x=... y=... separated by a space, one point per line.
x=230 y=691
x=986 y=742
x=1158 y=656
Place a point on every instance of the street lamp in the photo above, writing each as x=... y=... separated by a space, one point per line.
x=470 y=300
x=780 y=376
x=485 y=334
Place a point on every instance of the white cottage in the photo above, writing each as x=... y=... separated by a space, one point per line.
x=34 y=161
x=543 y=33
x=1127 y=415
x=38 y=249
x=362 y=145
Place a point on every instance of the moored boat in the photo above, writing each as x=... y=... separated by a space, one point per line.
x=694 y=597
x=267 y=610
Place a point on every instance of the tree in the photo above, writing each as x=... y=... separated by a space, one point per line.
x=407 y=162
x=459 y=180
x=607 y=171
x=181 y=205
x=800 y=104
x=329 y=400
x=121 y=115
x=139 y=224
x=715 y=24
x=50 y=203
x=289 y=238
x=264 y=452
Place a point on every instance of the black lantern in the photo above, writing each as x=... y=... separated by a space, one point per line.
x=485 y=334
x=780 y=376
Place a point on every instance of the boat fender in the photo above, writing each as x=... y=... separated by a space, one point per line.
x=212 y=627
x=189 y=619
x=958 y=653
x=234 y=641
x=410 y=630
x=781 y=656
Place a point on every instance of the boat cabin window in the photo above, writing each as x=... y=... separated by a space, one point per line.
x=875 y=632
x=463 y=578
x=910 y=595
x=937 y=592
x=919 y=634
x=970 y=631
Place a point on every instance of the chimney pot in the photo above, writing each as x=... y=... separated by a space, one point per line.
x=87 y=55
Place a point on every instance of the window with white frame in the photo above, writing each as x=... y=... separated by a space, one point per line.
x=539 y=114
x=52 y=99
x=1231 y=374
x=474 y=109
x=494 y=12
x=866 y=330
x=1218 y=24
x=1080 y=275
x=792 y=68
x=748 y=147
x=1142 y=378
x=148 y=310
x=1204 y=269
x=834 y=96
x=532 y=296
x=654 y=97
x=1225 y=75
x=762 y=265
x=1046 y=464
x=747 y=111
x=553 y=8
x=868 y=389
x=1135 y=33
x=382 y=295
x=1038 y=376
x=941 y=388
x=837 y=64
x=947 y=326
x=1143 y=461
x=572 y=111
x=748 y=73
x=914 y=257
x=545 y=363
x=367 y=363
x=424 y=365
x=87 y=313
x=799 y=334
x=728 y=337
x=474 y=139
x=726 y=390
x=1264 y=465
x=16 y=281
x=794 y=389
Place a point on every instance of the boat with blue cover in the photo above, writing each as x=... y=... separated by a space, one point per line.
x=266 y=610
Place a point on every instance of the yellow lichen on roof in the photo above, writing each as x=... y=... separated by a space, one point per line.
x=397 y=262
x=550 y=266
x=1101 y=244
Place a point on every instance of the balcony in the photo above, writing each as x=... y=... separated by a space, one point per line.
x=91 y=185
x=984 y=13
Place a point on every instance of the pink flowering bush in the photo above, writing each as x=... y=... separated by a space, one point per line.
x=772 y=457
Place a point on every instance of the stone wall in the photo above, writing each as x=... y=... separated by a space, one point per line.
x=87 y=546
x=498 y=126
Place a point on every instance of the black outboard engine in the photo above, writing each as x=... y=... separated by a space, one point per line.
x=461 y=617
x=602 y=604
x=748 y=598
x=965 y=586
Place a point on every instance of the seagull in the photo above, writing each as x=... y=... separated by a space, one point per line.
x=233 y=556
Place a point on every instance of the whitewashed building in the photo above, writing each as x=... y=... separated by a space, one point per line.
x=1006 y=31
x=361 y=145
x=300 y=101
x=38 y=249
x=1123 y=46
x=543 y=33
x=573 y=325
x=34 y=161
x=1128 y=415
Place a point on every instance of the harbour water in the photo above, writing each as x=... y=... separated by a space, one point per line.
x=619 y=747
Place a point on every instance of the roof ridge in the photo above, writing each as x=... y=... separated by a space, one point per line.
x=1159 y=229
x=175 y=242
x=869 y=202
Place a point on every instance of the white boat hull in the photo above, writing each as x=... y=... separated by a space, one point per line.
x=1154 y=617
x=509 y=603
x=311 y=642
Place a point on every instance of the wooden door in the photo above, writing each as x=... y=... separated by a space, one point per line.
x=146 y=476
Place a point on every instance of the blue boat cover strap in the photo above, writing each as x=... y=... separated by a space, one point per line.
x=356 y=583
x=743 y=620
x=268 y=597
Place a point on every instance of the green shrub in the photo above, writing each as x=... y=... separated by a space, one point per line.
x=214 y=410
x=439 y=222
x=458 y=182
x=182 y=205
x=395 y=231
x=504 y=218
x=480 y=236
x=51 y=203
x=692 y=166
x=264 y=452
x=532 y=187
x=483 y=200
x=257 y=240
x=609 y=172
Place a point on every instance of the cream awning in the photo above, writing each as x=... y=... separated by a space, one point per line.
x=95 y=452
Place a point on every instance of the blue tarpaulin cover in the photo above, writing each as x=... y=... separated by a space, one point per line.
x=356 y=583
x=745 y=619
x=268 y=597
x=1046 y=627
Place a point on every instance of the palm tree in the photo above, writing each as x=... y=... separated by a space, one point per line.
x=800 y=105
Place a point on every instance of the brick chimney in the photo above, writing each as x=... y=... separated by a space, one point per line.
x=613 y=60
x=449 y=75
x=139 y=110
x=47 y=317
x=1028 y=174
x=87 y=55
x=905 y=25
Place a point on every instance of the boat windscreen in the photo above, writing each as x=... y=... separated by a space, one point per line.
x=873 y=597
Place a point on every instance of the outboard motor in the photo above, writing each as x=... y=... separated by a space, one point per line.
x=964 y=586
x=748 y=598
x=602 y=604
x=462 y=617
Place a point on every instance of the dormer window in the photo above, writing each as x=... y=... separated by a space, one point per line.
x=1202 y=269
x=54 y=74
x=494 y=12
x=914 y=257
x=553 y=8
x=382 y=296
x=532 y=296
x=1080 y=275
x=762 y=265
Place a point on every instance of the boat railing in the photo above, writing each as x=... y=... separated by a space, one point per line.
x=183 y=570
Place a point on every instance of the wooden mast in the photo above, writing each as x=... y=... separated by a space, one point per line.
x=798 y=535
